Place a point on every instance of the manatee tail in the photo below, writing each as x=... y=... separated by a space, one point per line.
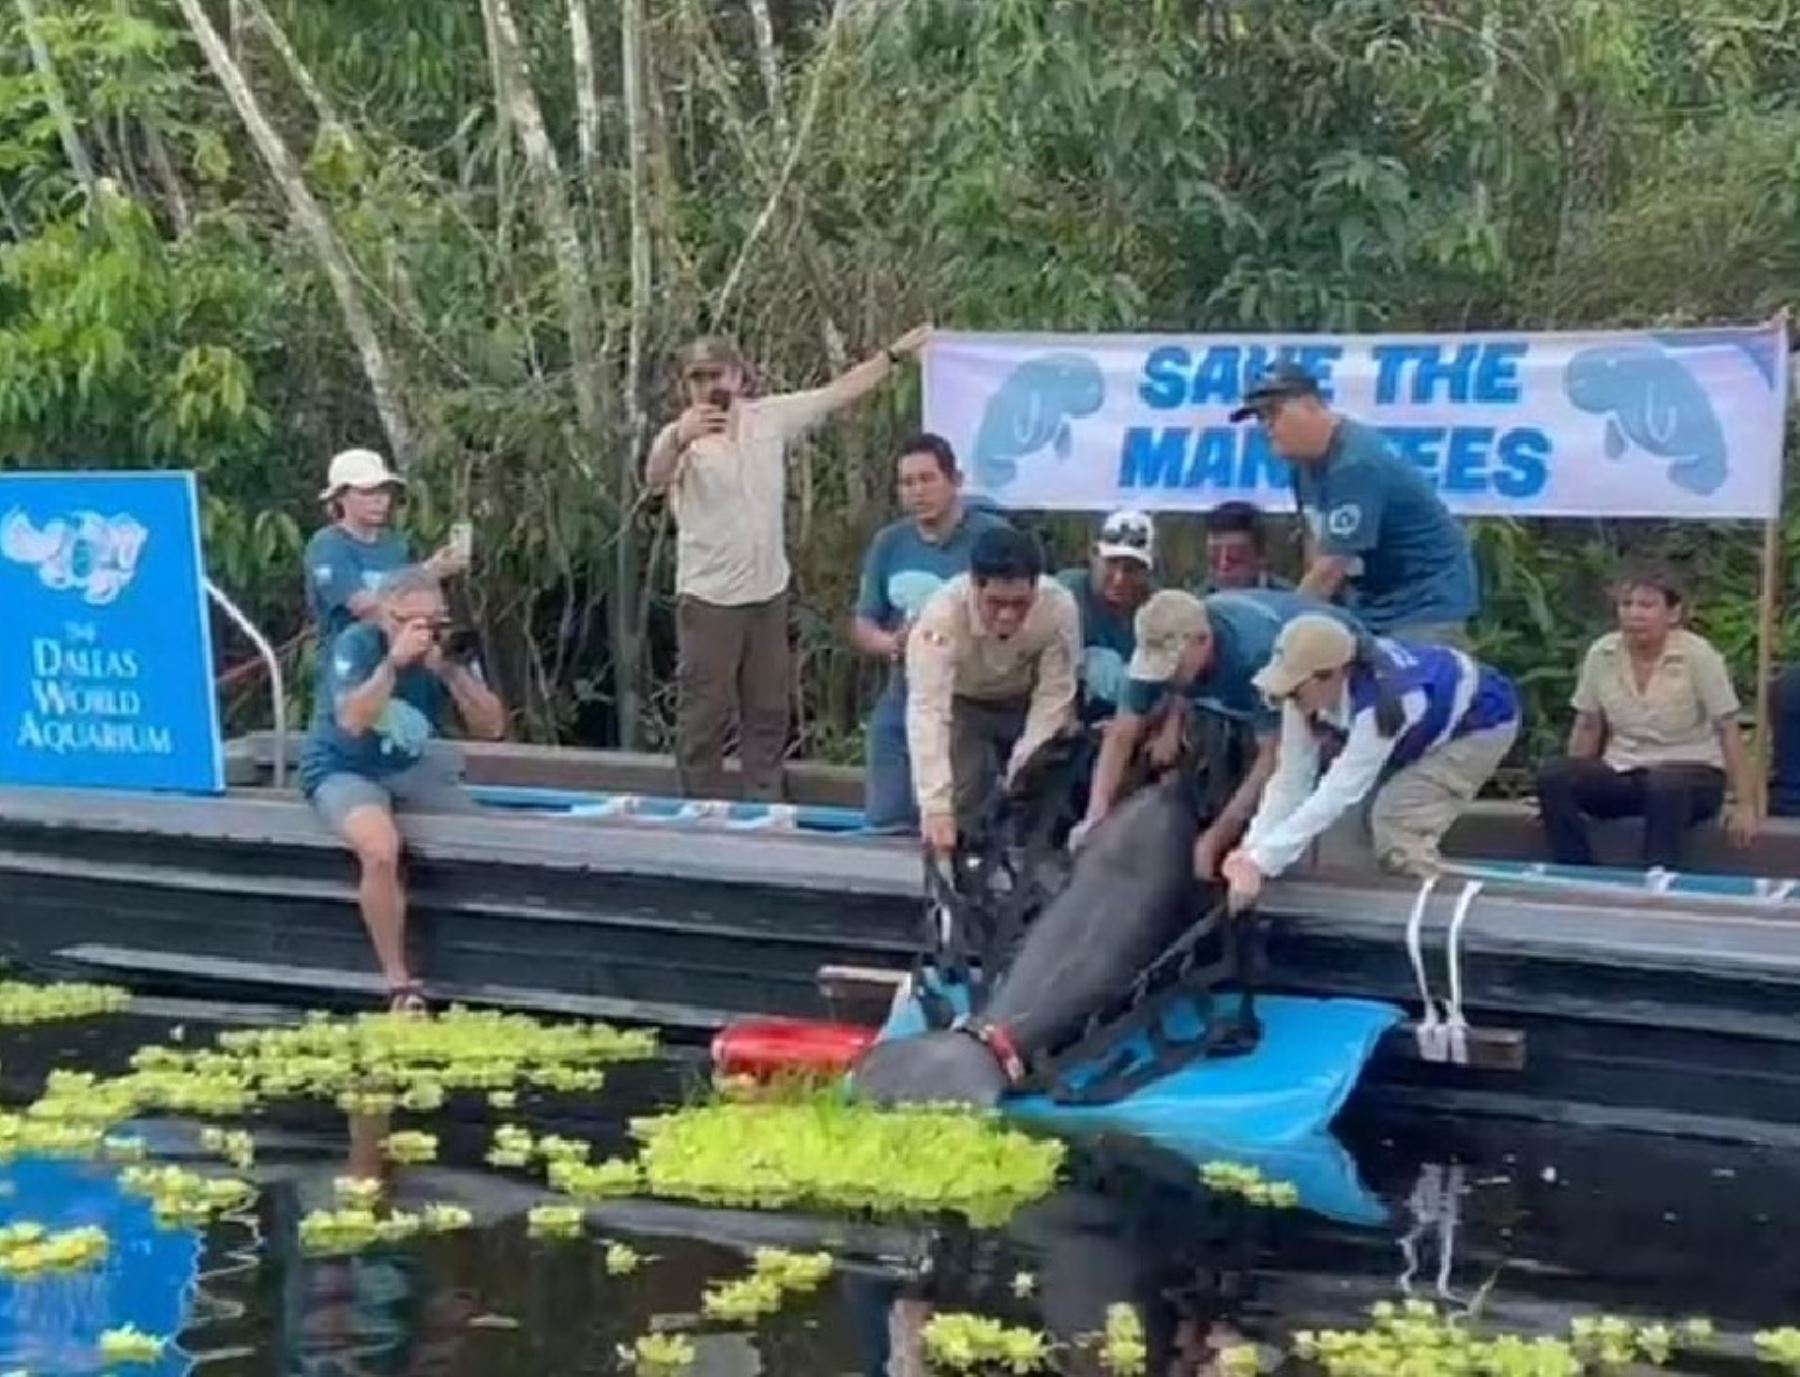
x=932 y=1068
x=1703 y=474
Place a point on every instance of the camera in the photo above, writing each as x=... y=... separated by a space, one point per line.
x=459 y=642
x=719 y=397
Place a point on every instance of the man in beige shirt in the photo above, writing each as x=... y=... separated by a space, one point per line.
x=1655 y=735
x=723 y=463
x=990 y=675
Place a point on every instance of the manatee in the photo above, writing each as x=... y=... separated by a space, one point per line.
x=1650 y=400
x=1131 y=892
x=1033 y=409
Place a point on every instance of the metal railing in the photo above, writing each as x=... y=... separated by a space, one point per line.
x=277 y=685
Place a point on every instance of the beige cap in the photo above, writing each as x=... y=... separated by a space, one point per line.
x=710 y=353
x=361 y=469
x=1165 y=621
x=1309 y=645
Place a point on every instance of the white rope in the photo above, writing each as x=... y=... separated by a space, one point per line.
x=1456 y=1029
x=1430 y=1032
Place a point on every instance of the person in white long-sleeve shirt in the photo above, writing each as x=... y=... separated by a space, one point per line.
x=1419 y=727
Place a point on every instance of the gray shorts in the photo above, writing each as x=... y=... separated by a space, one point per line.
x=433 y=784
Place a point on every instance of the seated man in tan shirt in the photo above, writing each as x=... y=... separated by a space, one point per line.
x=1655 y=736
x=990 y=676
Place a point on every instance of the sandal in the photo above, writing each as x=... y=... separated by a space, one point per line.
x=408 y=997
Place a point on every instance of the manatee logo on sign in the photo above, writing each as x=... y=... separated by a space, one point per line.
x=1652 y=403
x=93 y=554
x=106 y=651
x=1033 y=410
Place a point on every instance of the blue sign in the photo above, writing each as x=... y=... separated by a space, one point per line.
x=105 y=649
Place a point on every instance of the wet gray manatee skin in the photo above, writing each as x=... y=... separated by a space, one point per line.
x=1131 y=893
x=1652 y=401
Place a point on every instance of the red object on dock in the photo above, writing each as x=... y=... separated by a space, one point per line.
x=767 y=1047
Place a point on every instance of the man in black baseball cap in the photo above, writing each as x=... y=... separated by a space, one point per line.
x=1377 y=524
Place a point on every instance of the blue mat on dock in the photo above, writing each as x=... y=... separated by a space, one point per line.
x=1754 y=888
x=726 y=815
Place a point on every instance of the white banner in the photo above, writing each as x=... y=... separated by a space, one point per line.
x=1681 y=423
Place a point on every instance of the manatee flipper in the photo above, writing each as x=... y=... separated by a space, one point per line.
x=1615 y=438
x=1065 y=439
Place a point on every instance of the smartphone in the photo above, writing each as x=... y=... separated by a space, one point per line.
x=462 y=539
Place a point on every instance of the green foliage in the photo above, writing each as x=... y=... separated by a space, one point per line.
x=1350 y=164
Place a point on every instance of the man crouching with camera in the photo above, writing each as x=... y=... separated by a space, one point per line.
x=374 y=750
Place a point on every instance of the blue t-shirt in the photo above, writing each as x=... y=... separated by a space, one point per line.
x=400 y=734
x=902 y=569
x=1108 y=637
x=338 y=567
x=1245 y=624
x=1412 y=562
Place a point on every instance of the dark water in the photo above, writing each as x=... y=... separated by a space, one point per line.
x=1530 y=1225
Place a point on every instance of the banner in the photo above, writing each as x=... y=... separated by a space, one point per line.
x=1682 y=423
x=105 y=649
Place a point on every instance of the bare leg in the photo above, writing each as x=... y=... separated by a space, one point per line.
x=370 y=833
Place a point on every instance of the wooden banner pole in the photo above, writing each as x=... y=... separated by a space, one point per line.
x=1768 y=615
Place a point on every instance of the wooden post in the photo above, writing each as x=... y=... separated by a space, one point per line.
x=1768 y=614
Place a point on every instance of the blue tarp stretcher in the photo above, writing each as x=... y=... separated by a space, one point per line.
x=1270 y=1108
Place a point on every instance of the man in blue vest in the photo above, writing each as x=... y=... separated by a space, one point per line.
x=1416 y=729
x=1205 y=653
x=907 y=562
x=1379 y=530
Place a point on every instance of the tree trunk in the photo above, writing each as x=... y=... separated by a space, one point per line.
x=572 y=281
x=73 y=148
x=628 y=618
x=768 y=58
x=384 y=382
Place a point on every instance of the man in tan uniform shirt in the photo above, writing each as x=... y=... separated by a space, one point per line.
x=723 y=463
x=990 y=674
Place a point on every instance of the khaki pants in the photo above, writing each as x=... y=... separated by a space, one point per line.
x=1411 y=812
x=733 y=669
x=982 y=736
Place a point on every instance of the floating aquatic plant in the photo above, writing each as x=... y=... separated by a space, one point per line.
x=409 y=1147
x=1236 y=1178
x=28 y=1249
x=1239 y=1360
x=972 y=1343
x=1413 y=1337
x=826 y=1150
x=442 y=1218
x=356 y=1192
x=185 y=1198
x=22 y=1003
x=128 y=1344
x=774 y=1274
x=601 y=1181
x=660 y=1353
x=555 y=1221
x=1780 y=1346
x=123 y=1147
x=622 y=1260
x=235 y=1145
x=512 y=1146
x=1123 y=1351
